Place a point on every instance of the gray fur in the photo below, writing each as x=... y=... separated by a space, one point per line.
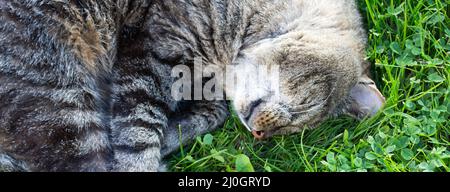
x=66 y=86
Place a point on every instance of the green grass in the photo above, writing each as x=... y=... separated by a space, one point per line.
x=409 y=46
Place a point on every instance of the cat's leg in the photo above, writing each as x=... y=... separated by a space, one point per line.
x=51 y=98
x=140 y=106
x=199 y=118
x=52 y=127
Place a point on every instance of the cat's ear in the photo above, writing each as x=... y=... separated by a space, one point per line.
x=366 y=99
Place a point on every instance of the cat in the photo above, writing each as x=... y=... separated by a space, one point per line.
x=85 y=85
x=318 y=47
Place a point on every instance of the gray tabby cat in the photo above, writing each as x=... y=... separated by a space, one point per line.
x=85 y=85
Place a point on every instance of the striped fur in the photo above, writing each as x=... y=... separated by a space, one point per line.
x=81 y=89
x=52 y=59
x=58 y=64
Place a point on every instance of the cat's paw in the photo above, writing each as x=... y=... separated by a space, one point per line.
x=144 y=161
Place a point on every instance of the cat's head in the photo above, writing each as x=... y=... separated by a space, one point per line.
x=318 y=77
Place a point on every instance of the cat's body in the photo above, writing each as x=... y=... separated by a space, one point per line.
x=81 y=91
x=56 y=63
x=85 y=85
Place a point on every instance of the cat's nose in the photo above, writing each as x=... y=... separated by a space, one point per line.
x=258 y=134
x=267 y=121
